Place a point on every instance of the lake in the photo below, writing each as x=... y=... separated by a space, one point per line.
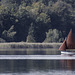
x=37 y=67
x=30 y=51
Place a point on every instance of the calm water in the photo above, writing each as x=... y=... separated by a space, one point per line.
x=37 y=67
x=29 y=52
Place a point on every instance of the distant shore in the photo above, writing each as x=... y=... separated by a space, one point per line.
x=28 y=45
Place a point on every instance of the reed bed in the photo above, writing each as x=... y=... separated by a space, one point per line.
x=28 y=45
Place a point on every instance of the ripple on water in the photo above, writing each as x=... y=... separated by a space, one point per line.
x=51 y=72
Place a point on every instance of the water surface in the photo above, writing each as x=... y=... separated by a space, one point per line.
x=36 y=67
x=28 y=51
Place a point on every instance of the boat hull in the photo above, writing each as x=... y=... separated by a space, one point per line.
x=68 y=52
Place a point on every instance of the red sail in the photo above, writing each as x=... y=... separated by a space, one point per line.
x=70 y=41
x=63 y=46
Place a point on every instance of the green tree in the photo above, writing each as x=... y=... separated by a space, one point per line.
x=2 y=40
x=31 y=37
x=53 y=36
x=9 y=35
x=45 y=14
x=43 y=18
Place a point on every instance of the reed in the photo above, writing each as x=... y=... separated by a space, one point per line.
x=28 y=45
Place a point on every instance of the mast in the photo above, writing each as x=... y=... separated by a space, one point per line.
x=70 y=42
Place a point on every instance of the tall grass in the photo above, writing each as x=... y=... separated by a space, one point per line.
x=29 y=45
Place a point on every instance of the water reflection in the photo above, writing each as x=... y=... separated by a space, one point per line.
x=36 y=67
x=29 y=52
x=68 y=64
x=26 y=66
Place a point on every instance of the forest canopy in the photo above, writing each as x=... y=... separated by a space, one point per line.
x=36 y=20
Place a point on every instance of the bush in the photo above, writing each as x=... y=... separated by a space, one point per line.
x=53 y=36
x=2 y=40
x=9 y=35
x=30 y=39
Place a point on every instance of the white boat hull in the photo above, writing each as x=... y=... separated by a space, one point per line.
x=68 y=52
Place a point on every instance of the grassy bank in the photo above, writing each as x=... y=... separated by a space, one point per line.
x=28 y=45
x=27 y=48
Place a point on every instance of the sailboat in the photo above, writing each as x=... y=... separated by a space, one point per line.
x=68 y=46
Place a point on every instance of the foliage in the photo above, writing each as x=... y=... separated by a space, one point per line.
x=9 y=35
x=44 y=14
x=31 y=37
x=2 y=40
x=53 y=36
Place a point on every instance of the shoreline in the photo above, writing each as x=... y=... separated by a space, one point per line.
x=23 y=48
x=28 y=45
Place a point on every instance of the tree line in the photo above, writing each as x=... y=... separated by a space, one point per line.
x=36 y=20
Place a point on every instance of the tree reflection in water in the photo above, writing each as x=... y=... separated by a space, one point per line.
x=36 y=65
